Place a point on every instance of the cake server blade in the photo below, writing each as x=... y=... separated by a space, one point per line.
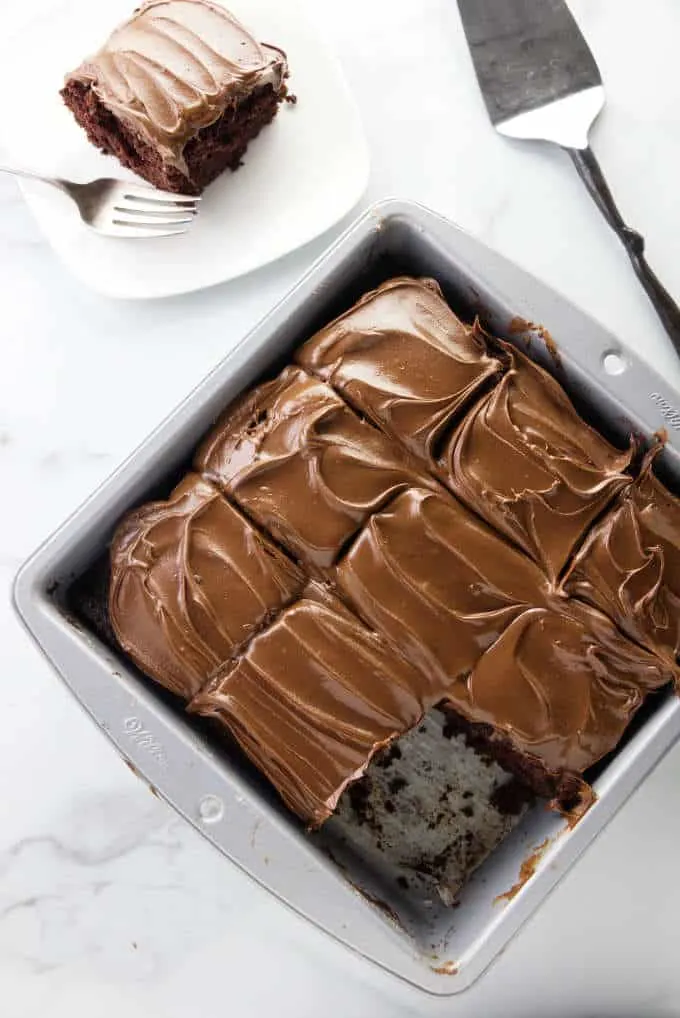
x=530 y=56
x=540 y=80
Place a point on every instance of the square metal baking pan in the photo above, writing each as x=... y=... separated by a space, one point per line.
x=219 y=793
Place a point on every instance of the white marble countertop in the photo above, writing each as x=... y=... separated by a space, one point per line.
x=111 y=905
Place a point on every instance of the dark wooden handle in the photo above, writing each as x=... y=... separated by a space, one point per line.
x=592 y=176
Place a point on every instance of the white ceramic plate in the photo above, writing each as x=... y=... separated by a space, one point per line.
x=301 y=175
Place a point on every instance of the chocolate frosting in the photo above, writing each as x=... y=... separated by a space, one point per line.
x=437 y=583
x=191 y=580
x=173 y=68
x=402 y=358
x=304 y=465
x=526 y=462
x=561 y=685
x=630 y=566
x=439 y=606
x=311 y=700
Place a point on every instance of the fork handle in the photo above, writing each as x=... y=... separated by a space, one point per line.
x=592 y=176
x=20 y=171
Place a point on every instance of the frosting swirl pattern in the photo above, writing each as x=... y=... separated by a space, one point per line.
x=311 y=700
x=437 y=583
x=630 y=566
x=402 y=358
x=191 y=580
x=531 y=467
x=561 y=685
x=304 y=465
x=451 y=601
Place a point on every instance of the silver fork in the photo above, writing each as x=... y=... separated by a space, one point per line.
x=118 y=209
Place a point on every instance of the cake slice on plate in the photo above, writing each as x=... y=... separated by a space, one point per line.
x=177 y=92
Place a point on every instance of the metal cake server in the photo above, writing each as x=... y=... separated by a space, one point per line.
x=540 y=81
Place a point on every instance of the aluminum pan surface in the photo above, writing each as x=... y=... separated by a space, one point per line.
x=220 y=799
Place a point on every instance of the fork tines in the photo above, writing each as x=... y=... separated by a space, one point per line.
x=161 y=213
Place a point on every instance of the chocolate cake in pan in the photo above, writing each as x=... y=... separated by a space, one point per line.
x=383 y=531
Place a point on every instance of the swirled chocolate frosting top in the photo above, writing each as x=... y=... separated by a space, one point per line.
x=403 y=359
x=300 y=462
x=433 y=596
x=173 y=68
x=191 y=580
x=531 y=467
x=311 y=701
x=438 y=583
x=630 y=566
x=561 y=685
